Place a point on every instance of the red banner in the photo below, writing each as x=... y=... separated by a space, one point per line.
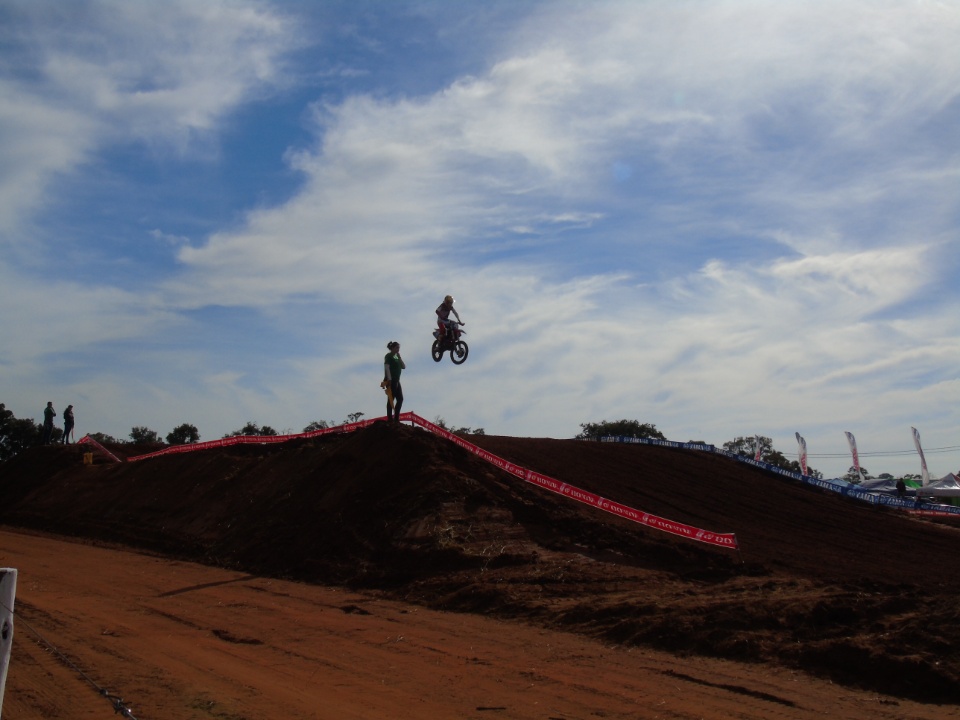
x=90 y=441
x=727 y=540
x=252 y=440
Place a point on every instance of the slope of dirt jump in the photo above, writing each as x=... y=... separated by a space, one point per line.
x=863 y=597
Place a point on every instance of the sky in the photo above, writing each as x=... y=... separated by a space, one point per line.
x=723 y=217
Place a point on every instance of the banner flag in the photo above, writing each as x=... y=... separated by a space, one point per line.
x=802 y=452
x=853 y=451
x=923 y=460
x=756 y=457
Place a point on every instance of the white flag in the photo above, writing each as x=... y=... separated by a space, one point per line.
x=853 y=451
x=802 y=452
x=923 y=460
x=756 y=457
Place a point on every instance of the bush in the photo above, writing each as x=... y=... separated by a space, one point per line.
x=185 y=434
x=624 y=428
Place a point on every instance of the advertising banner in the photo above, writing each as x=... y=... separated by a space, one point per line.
x=923 y=460
x=802 y=452
x=856 y=459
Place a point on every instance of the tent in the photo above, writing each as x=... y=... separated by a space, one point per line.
x=947 y=486
x=888 y=485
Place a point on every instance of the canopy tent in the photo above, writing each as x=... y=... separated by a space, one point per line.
x=947 y=486
x=888 y=485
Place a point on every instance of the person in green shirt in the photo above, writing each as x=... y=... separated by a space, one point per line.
x=392 y=366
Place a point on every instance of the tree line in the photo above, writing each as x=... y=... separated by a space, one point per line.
x=17 y=434
x=744 y=445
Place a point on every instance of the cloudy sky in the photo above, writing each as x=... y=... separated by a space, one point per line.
x=722 y=217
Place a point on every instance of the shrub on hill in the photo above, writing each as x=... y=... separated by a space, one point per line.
x=619 y=428
x=141 y=435
x=185 y=434
x=747 y=447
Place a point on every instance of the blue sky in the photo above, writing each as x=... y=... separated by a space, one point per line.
x=723 y=218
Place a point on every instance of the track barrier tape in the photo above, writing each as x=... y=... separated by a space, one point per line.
x=915 y=507
x=725 y=540
x=87 y=440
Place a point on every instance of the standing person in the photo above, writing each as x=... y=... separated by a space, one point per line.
x=443 y=315
x=67 y=424
x=392 y=366
x=48 y=415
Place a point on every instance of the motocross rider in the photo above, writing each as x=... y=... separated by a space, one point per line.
x=443 y=316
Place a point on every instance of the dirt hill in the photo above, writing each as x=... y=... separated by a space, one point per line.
x=862 y=595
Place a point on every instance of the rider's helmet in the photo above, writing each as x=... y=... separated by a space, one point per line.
x=448 y=300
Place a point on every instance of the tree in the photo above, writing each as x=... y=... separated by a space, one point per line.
x=140 y=435
x=441 y=423
x=854 y=477
x=469 y=431
x=104 y=438
x=16 y=434
x=619 y=428
x=747 y=447
x=185 y=434
x=251 y=428
x=353 y=417
x=316 y=425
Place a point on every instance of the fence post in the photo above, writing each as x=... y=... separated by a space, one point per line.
x=8 y=593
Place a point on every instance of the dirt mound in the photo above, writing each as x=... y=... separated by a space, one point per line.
x=858 y=594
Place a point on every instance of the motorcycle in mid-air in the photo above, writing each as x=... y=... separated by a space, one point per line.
x=450 y=339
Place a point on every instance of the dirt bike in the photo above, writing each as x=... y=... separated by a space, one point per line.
x=450 y=339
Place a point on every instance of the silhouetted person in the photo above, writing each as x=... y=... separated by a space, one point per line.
x=392 y=366
x=901 y=488
x=67 y=424
x=48 y=415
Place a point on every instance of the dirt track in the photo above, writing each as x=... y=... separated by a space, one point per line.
x=827 y=587
x=180 y=641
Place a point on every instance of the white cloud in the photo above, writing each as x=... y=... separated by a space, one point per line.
x=748 y=105
x=108 y=72
x=703 y=215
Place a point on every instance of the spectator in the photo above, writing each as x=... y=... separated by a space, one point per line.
x=67 y=424
x=48 y=415
x=392 y=366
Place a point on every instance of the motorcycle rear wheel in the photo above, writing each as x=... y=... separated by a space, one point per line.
x=436 y=352
x=458 y=353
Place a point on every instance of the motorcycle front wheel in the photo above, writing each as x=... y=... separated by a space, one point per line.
x=459 y=352
x=436 y=352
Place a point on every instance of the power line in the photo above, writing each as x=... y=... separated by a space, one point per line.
x=888 y=453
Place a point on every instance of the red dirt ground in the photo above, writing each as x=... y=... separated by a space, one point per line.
x=346 y=576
